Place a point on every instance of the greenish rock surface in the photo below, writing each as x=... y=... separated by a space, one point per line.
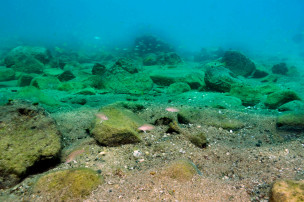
x=287 y=190
x=68 y=185
x=25 y=79
x=199 y=139
x=295 y=105
x=248 y=94
x=66 y=76
x=6 y=74
x=45 y=82
x=181 y=170
x=195 y=79
x=220 y=79
x=72 y=86
x=55 y=72
x=291 y=120
x=275 y=100
x=29 y=140
x=117 y=126
x=178 y=87
x=238 y=63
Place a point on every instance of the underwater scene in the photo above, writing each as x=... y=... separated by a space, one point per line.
x=112 y=100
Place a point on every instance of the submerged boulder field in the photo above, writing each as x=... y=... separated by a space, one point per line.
x=148 y=123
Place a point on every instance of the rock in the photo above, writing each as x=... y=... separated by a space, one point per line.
x=220 y=79
x=66 y=76
x=68 y=185
x=150 y=59
x=98 y=69
x=72 y=86
x=55 y=72
x=238 y=63
x=195 y=79
x=45 y=82
x=178 y=87
x=208 y=54
x=119 y=128
x=124 y=64
x=295 y=105
x=287 y=190
x=28 y=59
x=280 y=69
x=275 y=100
x=199 y=139
x=37 y=96
x=170 y=58
x=29 y=142
x=6 y=74
x=181 y=170
x=249 y=95
x=150 y=44
x=128 y=83
x=291 y=121
x=259 y=74
x=25 y=80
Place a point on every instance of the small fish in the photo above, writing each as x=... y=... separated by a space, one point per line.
x=146 y=127
x=172 y=109
x=102 y=117
x=73 y=155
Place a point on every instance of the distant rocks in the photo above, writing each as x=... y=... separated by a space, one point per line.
x=29 y=142
x=98 y=69
x=238 y=63
x=28 y=59
x=150 y=44
x=280 y=68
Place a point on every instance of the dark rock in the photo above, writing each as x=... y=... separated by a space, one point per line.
x=238 y=63
x=259 y=74
x=280 y=68
x=6 y=74
x=25 y=80
x=98 y=69
x=66 y=76
x=125 y=64
x=220 y=79
x=29 y=142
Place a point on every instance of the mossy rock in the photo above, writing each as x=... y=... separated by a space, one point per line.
x=6 y=74
x=120 y=128
x=249 y=95
x=71 y=86
x=178 y=87
x=25 y=79
x=68 y=185
x=287 y=190
x=29 y=141
x=181 y=170
x=45 y=82
x=293 y=121
x=199 y=139
x=35 y=95
x=295 y=105
x=279 y=98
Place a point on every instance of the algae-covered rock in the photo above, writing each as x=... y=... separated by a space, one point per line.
x=68 y=185
x=199 y=139
x=280 y=68
x=126 y=83
x=98 y=69
x=45 y=82
x=66 y=76
x=115 y=126
x=181 y=170
x=220 y=79
x=279 y=98
x=238 y=63
x=29 y=141
x=124 y=64
x=287 y=190
x=295 y=105
x=71 y=86
x=178 y=87
x=28 y=59
x=293 y=120
x=248 y=94
x=6 y=74
x=25 y=80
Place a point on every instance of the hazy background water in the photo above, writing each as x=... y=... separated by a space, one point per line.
x=264 y=26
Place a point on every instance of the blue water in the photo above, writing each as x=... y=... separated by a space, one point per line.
x=263 y=26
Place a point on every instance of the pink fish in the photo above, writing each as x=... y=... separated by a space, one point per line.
x=102 y=117
x=146 y=127
x=172 y=109
x=73 y=155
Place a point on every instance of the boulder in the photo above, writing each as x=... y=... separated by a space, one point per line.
x=124 y=64
x=25 y=80
x=287 y=190
x=66 y=76
x=45 y=82
x=68 y=185
x=29 y=141
x=98 y=69
x=276 y=99
x=249 y=95
x=291 y=121
x=238 y=63
x=280 y=68
x=295 y=105
x=220 y=79
x=6 y=74
x=178 y=87
x=115 y=126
